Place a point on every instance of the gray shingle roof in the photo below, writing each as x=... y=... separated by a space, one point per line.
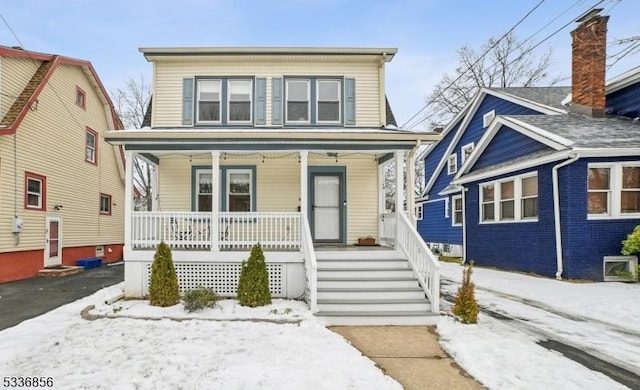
x=549 y=96
x=588 y=132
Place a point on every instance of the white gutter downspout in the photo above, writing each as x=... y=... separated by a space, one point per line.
x=556 y=210
x=464 y=225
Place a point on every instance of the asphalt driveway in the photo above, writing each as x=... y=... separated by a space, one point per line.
x=32 y=297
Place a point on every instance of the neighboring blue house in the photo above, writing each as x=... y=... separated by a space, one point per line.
x=440 y=205
x=556 y=194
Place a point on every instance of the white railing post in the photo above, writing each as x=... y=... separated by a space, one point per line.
x=128 y=202
x=215 y=201
x=304 y=185
x=399 y=188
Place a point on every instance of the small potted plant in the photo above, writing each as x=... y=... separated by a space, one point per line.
x=367 y=240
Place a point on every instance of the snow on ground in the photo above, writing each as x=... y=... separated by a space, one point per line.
x=128 y=353
x=592 y=316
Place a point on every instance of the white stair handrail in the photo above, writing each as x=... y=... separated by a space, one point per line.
x=310 y=262
x=422 y=260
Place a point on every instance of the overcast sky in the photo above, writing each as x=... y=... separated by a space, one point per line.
x=427 y=33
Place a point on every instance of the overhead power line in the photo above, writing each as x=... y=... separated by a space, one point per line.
x=441 y=92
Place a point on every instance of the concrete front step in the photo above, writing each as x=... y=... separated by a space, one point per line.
x=363 y=263
x=365 y=272
x=371 y=305
x=60 y=271
x=371 y=293
x=369 y=282
x=379 y=318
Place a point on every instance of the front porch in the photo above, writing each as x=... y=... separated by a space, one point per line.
x=212 y=205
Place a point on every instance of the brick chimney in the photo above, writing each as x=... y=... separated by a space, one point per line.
x=589 y=52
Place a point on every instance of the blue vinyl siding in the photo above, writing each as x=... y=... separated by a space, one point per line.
x=433 y=158
x=435 y=227
x=625 y=102
x=506 y=145
x=530 y=246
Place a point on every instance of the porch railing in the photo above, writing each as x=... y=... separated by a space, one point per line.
x=421 y=259
x=279 y=231
x=388 y=228
x=237 y=231
x=310 y=264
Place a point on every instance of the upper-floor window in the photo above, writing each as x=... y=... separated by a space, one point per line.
x=613 y=190
x=91 y=146
x=452 y=164
x=105 y=204
x=457 y=210
x=313 y=100
x=81 y=97
x=35 y=191
x=510 y=199
x=466 y=151
x=224 y=101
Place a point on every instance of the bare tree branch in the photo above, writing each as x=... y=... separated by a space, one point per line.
x=508 y=63
x=131 y=103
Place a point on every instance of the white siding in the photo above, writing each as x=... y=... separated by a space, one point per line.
x=278 y=186
x=15 y=74
x=51 y=142
x=167 y=98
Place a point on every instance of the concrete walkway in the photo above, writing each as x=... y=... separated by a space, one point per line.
x=409 y=354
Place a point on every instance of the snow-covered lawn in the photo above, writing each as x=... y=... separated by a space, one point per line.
x=502 y=356
x=127 y=353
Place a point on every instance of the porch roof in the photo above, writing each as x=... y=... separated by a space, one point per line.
x=270 y=139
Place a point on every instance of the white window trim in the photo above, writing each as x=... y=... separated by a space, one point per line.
x=228 y=186
x=286 y=103
x=339 y=82
x=198 y=120
x=38 y=194
x=463 y=156
x=615 y=190
x=454 y=158
x=109 y=198
x=517 y=199
x=229 y=101
x=487 y=118
x=419 y=212
x=453 y=210
x=197 y=195
x=93 y=148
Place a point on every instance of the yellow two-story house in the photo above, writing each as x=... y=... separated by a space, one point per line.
x=61 y=184
x=282 y=147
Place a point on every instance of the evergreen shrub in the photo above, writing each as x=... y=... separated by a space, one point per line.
x=466 y=307
x=253 y=286
x=200 y=298
x=163 y=289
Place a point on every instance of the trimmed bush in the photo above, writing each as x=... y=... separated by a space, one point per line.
x=466 y=306
x=200 y=298
x=163 y=289
x=631 y=245
x=253 y=286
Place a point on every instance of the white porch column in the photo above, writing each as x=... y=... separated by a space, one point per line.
x=304 y=194
x=399 y=189
x=215 y=201
x=128 y=202
x=411 y=196
x=154 y=187
x=381 y=200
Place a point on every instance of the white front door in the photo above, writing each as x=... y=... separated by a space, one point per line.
x=53 y=242
x=326 y=208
